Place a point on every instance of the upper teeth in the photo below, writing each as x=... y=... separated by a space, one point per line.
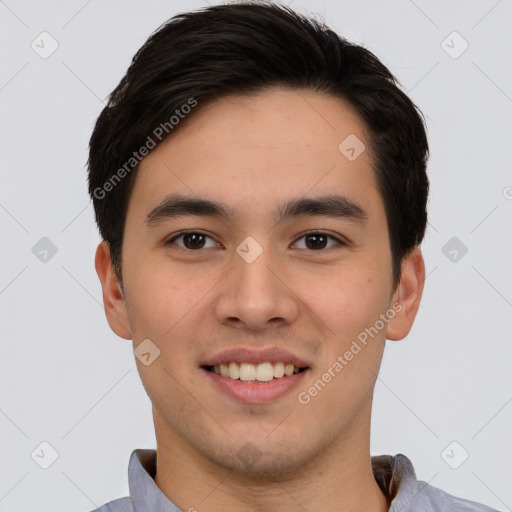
x=249 y=372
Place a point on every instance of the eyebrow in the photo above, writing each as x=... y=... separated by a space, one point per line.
x=336 y=206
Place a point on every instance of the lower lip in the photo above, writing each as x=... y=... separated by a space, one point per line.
x=256 y=392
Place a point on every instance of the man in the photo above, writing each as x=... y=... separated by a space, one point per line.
x=259 y=183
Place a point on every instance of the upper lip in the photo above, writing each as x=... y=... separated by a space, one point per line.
x=248 y=355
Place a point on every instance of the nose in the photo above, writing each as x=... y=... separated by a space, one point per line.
x=257 y=295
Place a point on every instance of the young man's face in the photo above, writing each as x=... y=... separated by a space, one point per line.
x=252 y=288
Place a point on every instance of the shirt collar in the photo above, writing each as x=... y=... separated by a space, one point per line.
x=397 y=479
x=144 y=493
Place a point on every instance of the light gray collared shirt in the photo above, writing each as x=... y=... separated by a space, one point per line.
x=394 y=474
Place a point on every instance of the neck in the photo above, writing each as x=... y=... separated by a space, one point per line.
x=338 y=480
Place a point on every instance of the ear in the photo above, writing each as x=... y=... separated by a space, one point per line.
x=113 y=298
x=408 y=295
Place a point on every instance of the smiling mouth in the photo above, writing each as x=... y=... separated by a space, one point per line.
x=255 y=373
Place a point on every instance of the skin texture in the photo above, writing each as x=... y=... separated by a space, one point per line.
x=253 y=153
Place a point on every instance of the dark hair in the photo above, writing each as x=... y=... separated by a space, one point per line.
x=247 y=47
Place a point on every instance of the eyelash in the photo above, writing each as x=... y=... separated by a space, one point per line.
x=340 y=242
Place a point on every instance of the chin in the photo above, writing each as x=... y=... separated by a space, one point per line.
x=261 y=461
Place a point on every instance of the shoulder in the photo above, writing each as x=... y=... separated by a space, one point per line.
x=433 y=498
x=397 y=479
x=119 y=505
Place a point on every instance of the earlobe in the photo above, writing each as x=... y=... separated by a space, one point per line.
x=113 y=298
x=408 y=295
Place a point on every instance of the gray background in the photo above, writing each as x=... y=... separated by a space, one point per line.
x=67 y=380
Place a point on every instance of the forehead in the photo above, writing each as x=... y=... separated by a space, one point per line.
x=249 y=150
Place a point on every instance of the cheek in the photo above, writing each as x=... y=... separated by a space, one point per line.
x=154 y=300
x=350 y=308
x=351 y=299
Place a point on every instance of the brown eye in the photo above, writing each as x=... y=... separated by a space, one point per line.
x=192 y=240
x=316 y=241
